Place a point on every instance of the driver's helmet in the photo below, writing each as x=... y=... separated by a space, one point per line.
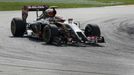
x=50 y=12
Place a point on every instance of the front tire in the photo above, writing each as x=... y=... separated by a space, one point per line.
x=49 y=33
x=18 y=27
x=92 y=30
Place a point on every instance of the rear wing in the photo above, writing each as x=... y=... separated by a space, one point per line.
x=36 y=8
x=25 y=10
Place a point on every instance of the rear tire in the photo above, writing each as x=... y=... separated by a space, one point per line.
x=18 y=27
x=92 y=30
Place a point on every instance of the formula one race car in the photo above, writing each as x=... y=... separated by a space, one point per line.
x=54 y=30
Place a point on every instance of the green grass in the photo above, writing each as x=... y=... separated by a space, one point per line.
x=18 y=5
x=123 y=1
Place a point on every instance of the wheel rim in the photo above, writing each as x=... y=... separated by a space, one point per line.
x=13 y=27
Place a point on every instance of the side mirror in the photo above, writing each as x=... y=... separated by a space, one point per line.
x=77 y=23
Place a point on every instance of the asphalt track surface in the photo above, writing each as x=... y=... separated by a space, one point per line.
x=24 y=56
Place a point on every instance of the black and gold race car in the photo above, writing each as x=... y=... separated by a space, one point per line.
x=53 y=29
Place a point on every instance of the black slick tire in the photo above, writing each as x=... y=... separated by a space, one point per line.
x=49 y=33
x=18 y=27
x=92 y=30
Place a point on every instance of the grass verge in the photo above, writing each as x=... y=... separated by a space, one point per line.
x=18 y=5
x=122 y=1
